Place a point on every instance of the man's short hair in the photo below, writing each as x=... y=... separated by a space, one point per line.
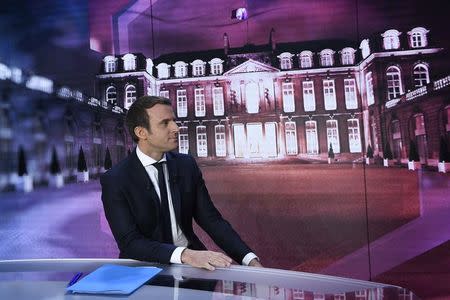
x=137 y=114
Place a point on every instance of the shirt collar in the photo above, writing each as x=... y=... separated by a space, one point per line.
x=147 y=160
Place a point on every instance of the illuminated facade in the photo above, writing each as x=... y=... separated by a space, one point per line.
x=292 y=100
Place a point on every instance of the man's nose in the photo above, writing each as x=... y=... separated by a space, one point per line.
x=175 y=127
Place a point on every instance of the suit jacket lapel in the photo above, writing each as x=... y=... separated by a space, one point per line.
x=141 y=179
x=174 y=185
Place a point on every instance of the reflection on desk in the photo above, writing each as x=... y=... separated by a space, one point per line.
x=43 y=279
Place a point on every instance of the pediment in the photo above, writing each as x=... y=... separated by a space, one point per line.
x=251 y=66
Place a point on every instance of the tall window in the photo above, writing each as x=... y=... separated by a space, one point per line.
x=240 y=140
x=200 y=110
x=354 y=138
x=421 y=139
x=183 y=140
x=198 y=67
x=391 y=39
x=6 y=160
x=130 y=96
x=181 y=103
x=218 y=103
x=369 y=88
x=216 y=66
x=202 y=148
x=309 y=100
x=326 y=58
x=180 y=69
x=285 y=60
x=221 y=146
x=69 y=142
x=329 y=94
x=110 y=63
x=164 y=93
x=418 y=37
x=394 y=82
x=306 y=59
x=396 y=139
x=270 y=132
x=291 y=138
x=111 y=95
x=252 y=98
x=129 y=62
x=97 y=142
x=288 y=97
x=350 y=93
x=421 y=75
x=333 y=135
x=312 y=142
x=348 y=56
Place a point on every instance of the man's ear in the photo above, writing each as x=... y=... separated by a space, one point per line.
x=141 y=132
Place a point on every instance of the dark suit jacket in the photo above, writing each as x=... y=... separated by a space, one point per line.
x=132 y=209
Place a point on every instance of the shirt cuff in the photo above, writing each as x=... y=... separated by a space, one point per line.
x=176 y=255
x=248 y=258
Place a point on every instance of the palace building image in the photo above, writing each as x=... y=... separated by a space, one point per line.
x=296 y=100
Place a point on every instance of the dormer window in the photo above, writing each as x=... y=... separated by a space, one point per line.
x=391 y=39
x=216 y=66
x=418 y=37
x=326 y=58
x=365 y=48
x=348 y=56
x=285 y=60
x=110 y=64
x=198 y=67
x=129 y=62
x=149 y=65
x=306 y=60
x=180 y=69
x=163 y=70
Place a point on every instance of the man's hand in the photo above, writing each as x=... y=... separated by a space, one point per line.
x=255 y=263
x=205 y=259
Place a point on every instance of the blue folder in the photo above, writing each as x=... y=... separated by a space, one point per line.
x=114 y=279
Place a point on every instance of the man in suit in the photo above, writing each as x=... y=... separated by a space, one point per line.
x=151 y=198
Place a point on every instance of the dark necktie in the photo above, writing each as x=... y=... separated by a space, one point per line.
x=164 y=216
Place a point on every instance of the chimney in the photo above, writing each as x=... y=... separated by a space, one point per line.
x=272 y=39
x=226 y=43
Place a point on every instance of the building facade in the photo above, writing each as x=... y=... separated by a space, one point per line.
x=295 y=100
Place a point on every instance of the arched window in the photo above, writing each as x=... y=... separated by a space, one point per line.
x=180 y=69
x=129 y=62
x=285 y=60
x=394 y=82
x=216 y=66
x=163 y=70
x=391 y=39
x=421 y=75
x=348 y=56
x=326 y=58
x=365 y=48
x=396 y=139
x=306 y=60
x=111 y=95
x=198 y=67
x=252 y=98
x=130 y=95
x=418 y=37
x=149 y=65
x=110 y=63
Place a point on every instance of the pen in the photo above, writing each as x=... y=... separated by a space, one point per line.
x=75 y=279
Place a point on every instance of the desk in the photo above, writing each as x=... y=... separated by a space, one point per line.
x=47 y=279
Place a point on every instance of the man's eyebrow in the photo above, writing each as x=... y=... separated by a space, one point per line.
x=167 y=119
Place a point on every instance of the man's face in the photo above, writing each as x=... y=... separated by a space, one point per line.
x=163 y=133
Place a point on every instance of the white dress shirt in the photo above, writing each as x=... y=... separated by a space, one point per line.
x=179 y=239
